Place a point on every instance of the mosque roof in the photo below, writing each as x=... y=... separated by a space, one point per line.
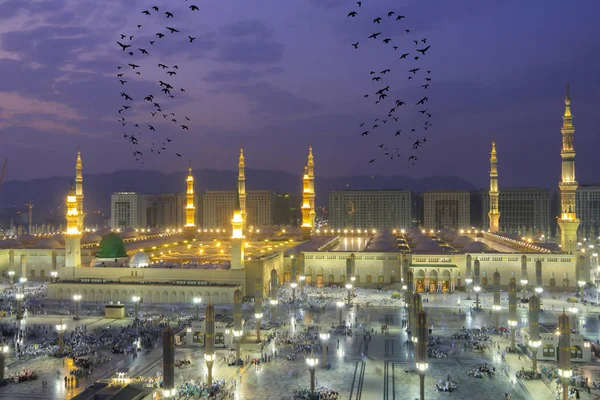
x=139 y=258
x=47 y=243
x=10 y=243
x=111 y=246
x=477 y=247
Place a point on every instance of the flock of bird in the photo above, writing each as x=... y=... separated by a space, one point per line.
x=391 y=118
x=165 y=90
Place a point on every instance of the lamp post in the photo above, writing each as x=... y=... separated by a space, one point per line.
x=53 y=274
x=312 y=363
x=258 y=317
x=3 y=360
x=497 y=307
x=512 y=310
x=476 y=284
x=19 y=297
x=197 y=301
x=258 y=300
x=349 y=289
x=302 y=283
x=76 y=299
x=468 y=273
x=534 y=336
x=415 y=309
x=324 y=337
x=524 y=276
x=293 y=285
x=12 y=278
x=353 y=280
x=61 y=328
x=574 y=310
x=422 y=339
x=136 y=305
x=581 y=291
x=23 y=280
x=237 y=321
x=340 y=305
x=209 y=342
x=538 y=278
x=564 y=353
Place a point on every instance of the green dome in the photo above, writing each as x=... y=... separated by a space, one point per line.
x=111 y=246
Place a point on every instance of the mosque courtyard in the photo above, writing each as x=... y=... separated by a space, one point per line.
x=367 y=364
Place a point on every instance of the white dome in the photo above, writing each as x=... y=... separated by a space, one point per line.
x=26 y=238
x=139 y=260
x=10 y=243
x=447 y=234
x=461 y=241
x=129 y=233
x=155 y=231
x=103 y=232
x=476 y=247
x=47 y=243
x=91 y=238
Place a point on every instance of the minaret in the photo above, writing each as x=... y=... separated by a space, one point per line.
x=79 y=190
x=242 y=186
x=311 y=185
x=190 y=208
x=494 y=213
x=237 y=236
x=568 y=221
x=73 y=235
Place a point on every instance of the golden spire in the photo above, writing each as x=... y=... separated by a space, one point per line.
x=241 y=162
x=567 y=117
x=190 y=207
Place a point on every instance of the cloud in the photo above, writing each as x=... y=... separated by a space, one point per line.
x=249 y=42
x=269 y=101
x=240 y=75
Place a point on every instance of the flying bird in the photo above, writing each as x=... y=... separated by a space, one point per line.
x=155 y=8
x=173 y=30
x=169 y=15
x=171 y=73
x=123 y=46
x=414 y=70
x=126 y=96
x=163 y=66
x=423 y=100
x=374 y=36
x=404 y=55
x=143 y=51
x=134 y=66
x=359 y=3
x=400 y=17
x=425 y=86
x=191 y=39
x=372 y=161
x=377 y=78
x=146 y=12
x=160 y=35
x=352 y=14
x=391 y=13
x=398 y=133
x=386 y=41
x=422 y=51
x=185 y=127
x=151 y=128
x=377 y=20
x=385 y=71
x=194 y=8
x=122 y=81
x=178 y=155
x=355 y=45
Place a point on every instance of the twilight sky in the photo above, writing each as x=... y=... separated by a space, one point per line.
x=277 y=75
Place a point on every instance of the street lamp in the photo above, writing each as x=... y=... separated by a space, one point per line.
x=3 y=360
x=293 y=285
x=302 y=282
x=324 y=337
x=210 y=359
x=76 y=299
x=312 y=363
x=168 y=393
x=19 y=297
x=340 y=305
x=258 y=317
x=477 y=289
x=23 y=280
x=352 y=280
x=53 y=274
x=197 y=301
x=349 y=288
x=237 y=337
x=574 y=311
x=136 y=302
x=581 y=286
x=564 y=355
x=61 y=328
x=422 y=337
x=12 y=275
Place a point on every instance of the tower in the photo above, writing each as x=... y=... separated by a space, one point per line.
x=237 y=236
x=242 y=186
x=79 y=190
x=308 y=196
x=494 y=214
x=190 y=209
x=73 y=235
x=568 y=221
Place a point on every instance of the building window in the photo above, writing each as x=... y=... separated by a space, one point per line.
x=548 y=351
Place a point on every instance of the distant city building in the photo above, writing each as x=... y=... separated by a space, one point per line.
x=478 y=212
x=219 y=205
x=286 y=209
x=588 y=210
x=366 y=209
x=447 y=209
x=125 y=210
x=523 y=211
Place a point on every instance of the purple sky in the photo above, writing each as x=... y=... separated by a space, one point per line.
x=276 y=76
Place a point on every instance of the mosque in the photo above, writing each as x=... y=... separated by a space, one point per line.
x=178 y=266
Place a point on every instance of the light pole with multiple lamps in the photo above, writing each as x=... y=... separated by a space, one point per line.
x=23 y=280
x=512 y=310
x=54 y=275
x=136 y=306
x=497 y=305
x=422 y=339
x=197 y=301
x=312 y=363
x=237 y=321
x=476 y=284
x=61 y=328
x=564 y=353
x=11 y=274
x=340 y=305
x=3 y=352
x=302 y=283
x=209 y=341
x=324 y=338
x=293 y=285
x=19 y=297
x=349 y=289
x=77 y=300
x=534 y=329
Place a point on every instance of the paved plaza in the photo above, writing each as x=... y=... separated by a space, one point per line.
x=357 y=371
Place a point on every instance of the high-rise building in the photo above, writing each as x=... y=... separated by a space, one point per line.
x=588 y=210
x=447 y=209
x=368 y=209
x=524 y=211
x=125 y=210
x=478 y=214
x=285 y=209
x=219 y=206
x=568 y=221
x=494 y=213
x=162 y=210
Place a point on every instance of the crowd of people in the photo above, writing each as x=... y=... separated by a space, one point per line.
x=320 y=393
